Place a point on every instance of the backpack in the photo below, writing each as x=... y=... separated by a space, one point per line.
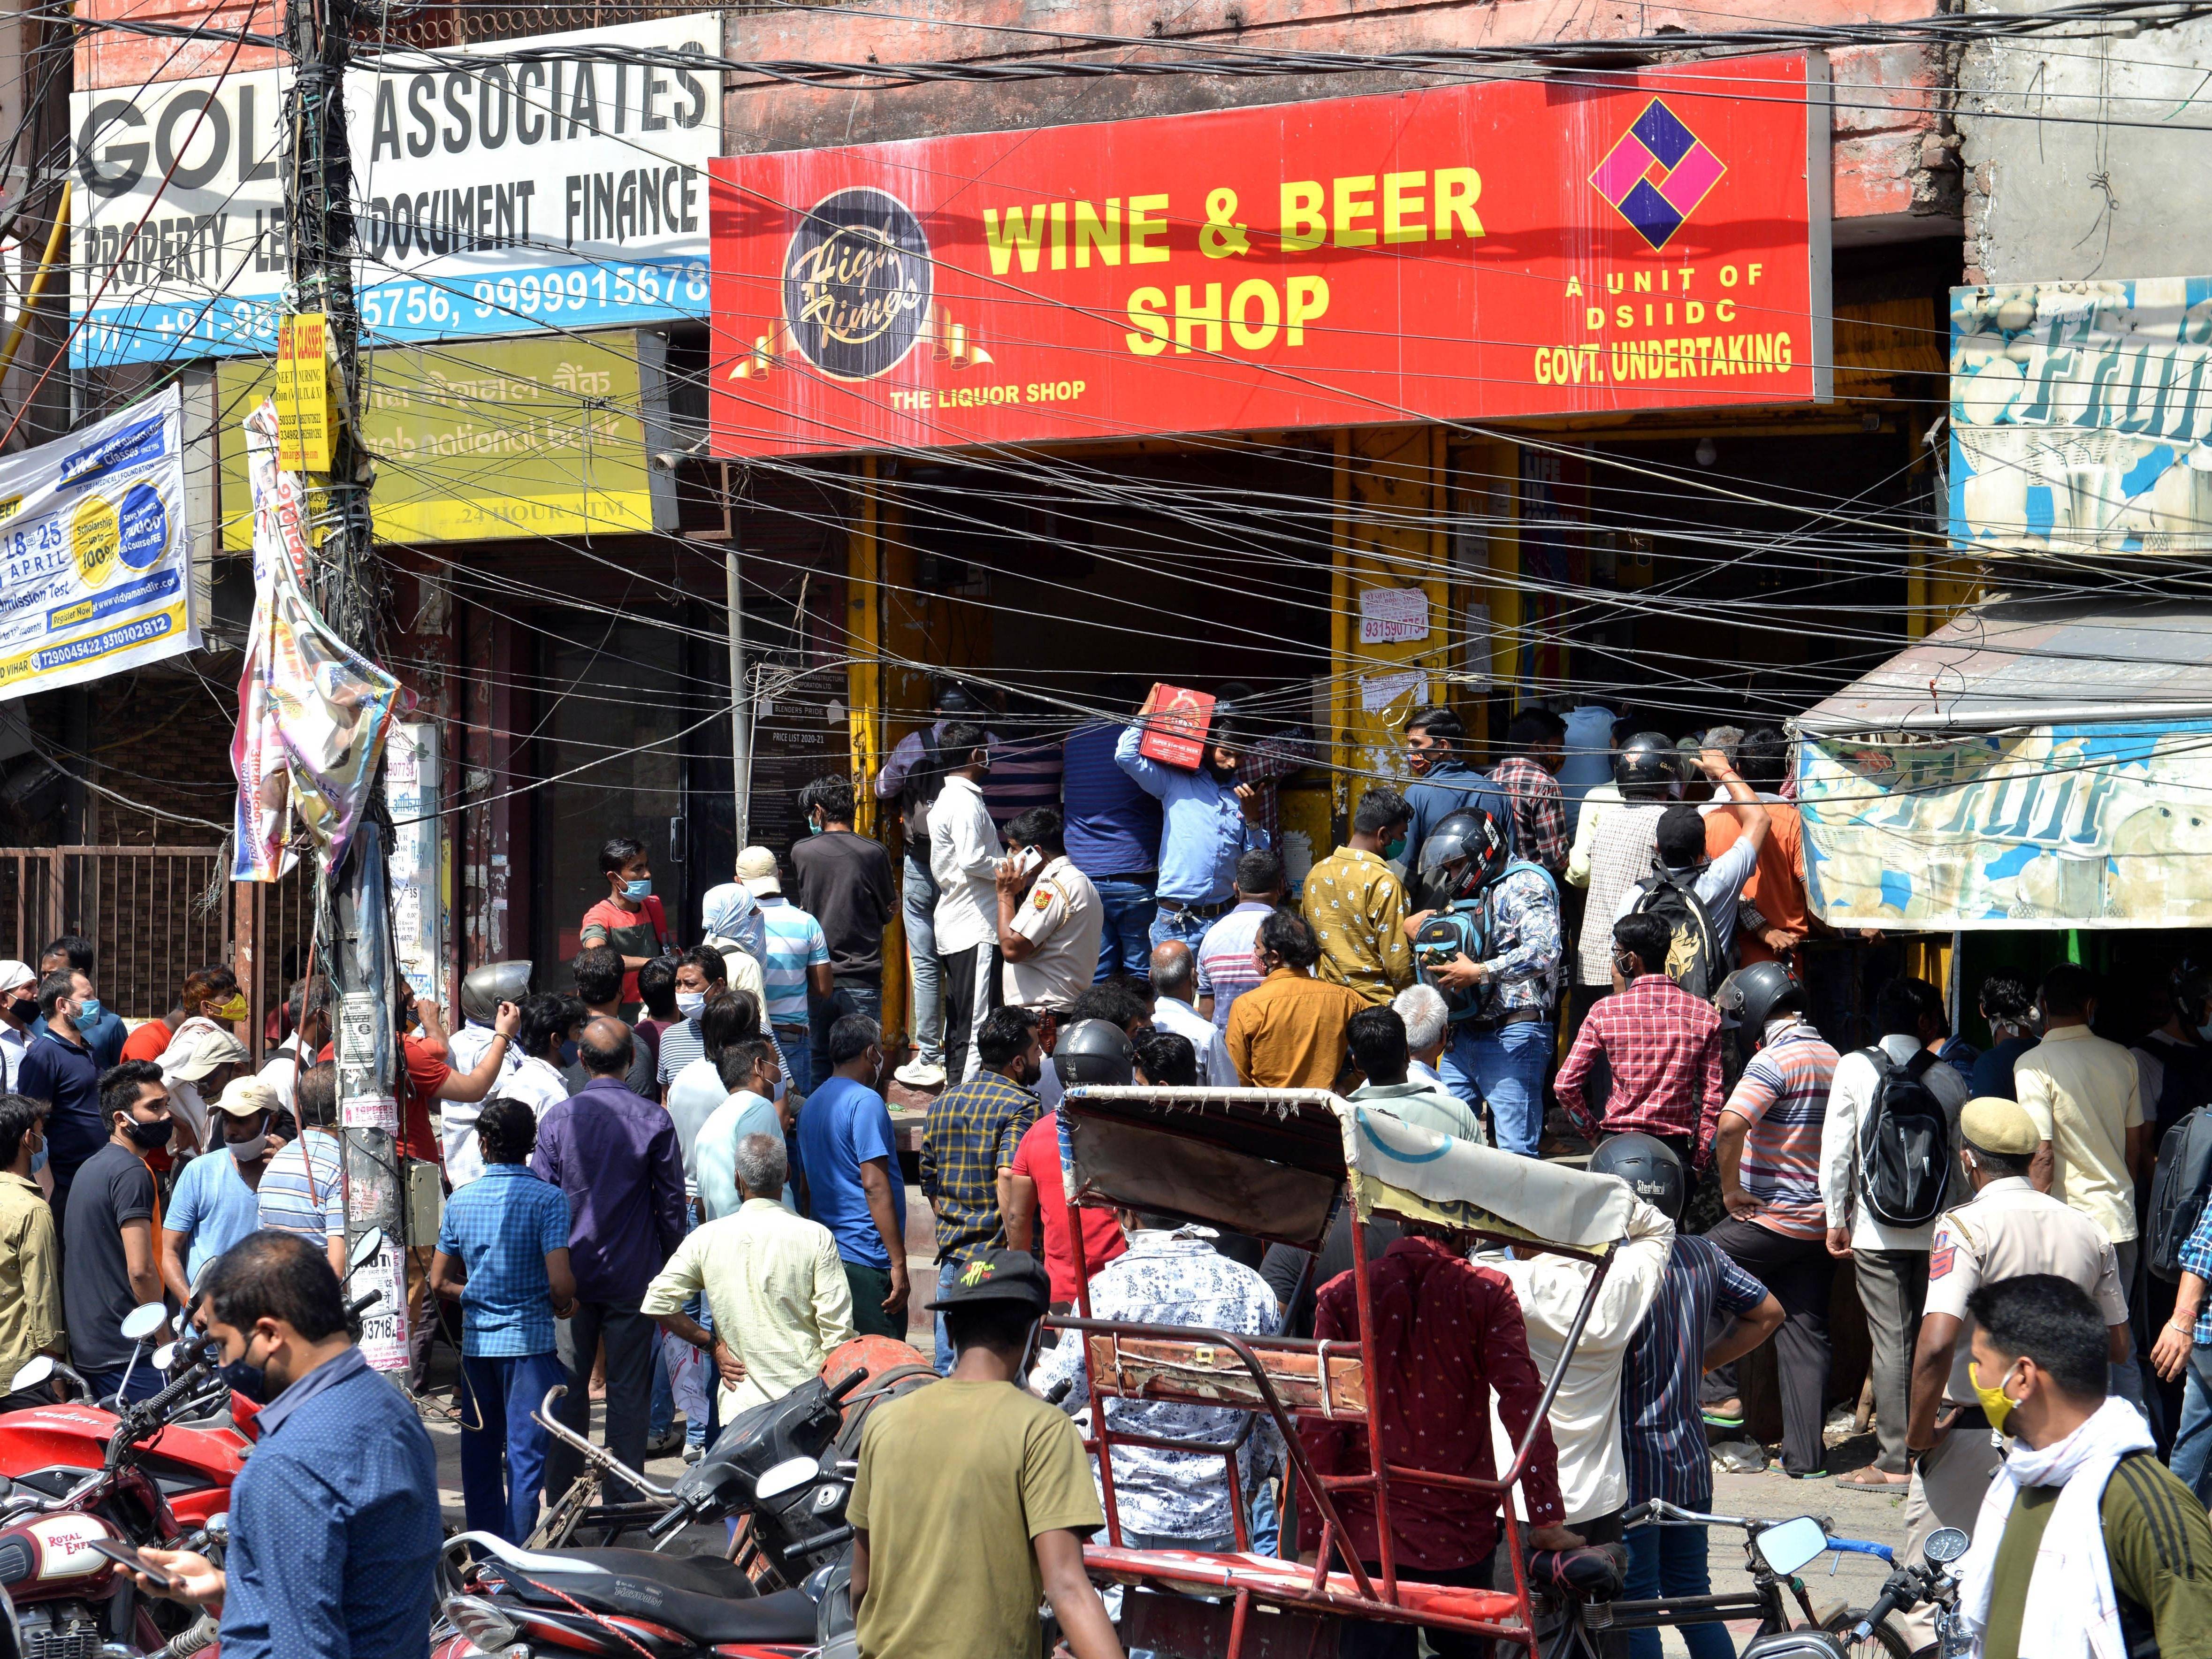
x=1905 y=1144
x=2178 y=1186
x=1693 y=960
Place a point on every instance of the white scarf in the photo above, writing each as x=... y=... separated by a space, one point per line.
x=2071 y=1612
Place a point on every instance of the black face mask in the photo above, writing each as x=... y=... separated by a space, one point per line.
x=25 y=1009
x=152 y=1136
x=252 y=1381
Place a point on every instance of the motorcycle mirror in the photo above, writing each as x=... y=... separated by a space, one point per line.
x=34 y=1371
x=1946 y=1544
x=164 y=1356
x=218 y=1524
x=787 y=1476
x=1789 y=1545
x=143 y=1320
x=365 y=1249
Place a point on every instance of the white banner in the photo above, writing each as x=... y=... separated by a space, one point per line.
x=96 y=556
x=489 y=200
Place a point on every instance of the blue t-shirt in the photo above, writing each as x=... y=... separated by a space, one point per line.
x=795 y=943
x=1113 y=826
x=213 y=1205
x=842 y=1124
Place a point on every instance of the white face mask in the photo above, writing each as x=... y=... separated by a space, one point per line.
x=246 y=1152
x=689 y=1003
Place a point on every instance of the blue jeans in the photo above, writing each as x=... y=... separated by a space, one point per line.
x=1126 y=945
x=848 y=996
x=503 y=1448
x=662 y=1417
x=945 y=1271
x=1178 y=924
x=1506 y=1068
x=797 y=1058
x=145 y=1381
x=2192 y=1445
x=1266 y=1520
x=1671 y=1561
x=918 y=900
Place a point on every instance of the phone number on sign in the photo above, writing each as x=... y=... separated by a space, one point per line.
x=492 y=304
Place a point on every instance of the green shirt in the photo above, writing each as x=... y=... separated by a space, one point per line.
x=2160 y=1547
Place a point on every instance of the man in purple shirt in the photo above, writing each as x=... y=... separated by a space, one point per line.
x=1112 y=828
x=616 y=1155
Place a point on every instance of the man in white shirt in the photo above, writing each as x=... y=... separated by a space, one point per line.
x=19 y=1006
x=1049 y=916
x=307 y=1011
x=1586 y=1414
x=482 y=989
x=1679 y=851
x=1891 y=1263
x=2084 y=1096
x=535 y=1031
x=1175 y=976
x=964 y=861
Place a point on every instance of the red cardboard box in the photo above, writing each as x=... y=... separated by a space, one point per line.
x=1174 y=734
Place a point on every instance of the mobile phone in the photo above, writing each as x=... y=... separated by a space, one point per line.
x=130 y=1558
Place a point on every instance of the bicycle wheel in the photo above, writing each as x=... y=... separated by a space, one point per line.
x=1888 y=1642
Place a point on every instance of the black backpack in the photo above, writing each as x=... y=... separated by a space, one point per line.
x=1905 y=1144
x=1693 y=959
x=2178 y=1186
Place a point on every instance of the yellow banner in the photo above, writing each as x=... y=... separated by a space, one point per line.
x=303 y=394
x=507 y=440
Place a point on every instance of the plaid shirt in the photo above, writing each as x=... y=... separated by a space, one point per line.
x=2197 y=1258
x=1663 y=1048
x=1620 y=856
x=1265 y=764
x=1539 y=811
x=971 y=1134
x=501 y=1227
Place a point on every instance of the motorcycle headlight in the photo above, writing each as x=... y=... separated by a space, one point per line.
x=487 y=1624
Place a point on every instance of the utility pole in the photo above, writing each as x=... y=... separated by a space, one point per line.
x=346 y=585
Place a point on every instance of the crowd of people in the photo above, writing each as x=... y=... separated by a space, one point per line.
x=678 y=1187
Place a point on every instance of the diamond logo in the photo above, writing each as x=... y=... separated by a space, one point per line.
x=1657 y=174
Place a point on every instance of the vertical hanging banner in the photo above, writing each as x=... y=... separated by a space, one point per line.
x=1647 y=239
x=303 y=394
x=95 y=556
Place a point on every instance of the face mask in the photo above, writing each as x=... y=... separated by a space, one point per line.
x=688 y=1003
x=247 y=1151
x=152 y=1136
x=641 y=888
x=1996 y=1405
x=39 y=1156
x=1395 y=851
x=87 y=1012
x=25 y=1009
x=235 y=1009
x=813 y=826
x=2203 y=1030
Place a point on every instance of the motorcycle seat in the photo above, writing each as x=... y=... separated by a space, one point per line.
x=696 y=1575
x=698 y=1595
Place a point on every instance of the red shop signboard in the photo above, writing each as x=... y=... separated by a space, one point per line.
x=1653 y=240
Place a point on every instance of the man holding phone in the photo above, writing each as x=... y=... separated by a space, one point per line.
x=1050 y=917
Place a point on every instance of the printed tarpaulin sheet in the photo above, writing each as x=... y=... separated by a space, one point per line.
x=2104 y=824
x=1426 y=1177
x=313 y=714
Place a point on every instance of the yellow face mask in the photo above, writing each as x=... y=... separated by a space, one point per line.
x=235 y=1009
x=1996 y=1404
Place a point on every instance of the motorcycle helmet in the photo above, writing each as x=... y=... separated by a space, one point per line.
x=1471 y=840
x=1094 y=1051
x=482 y=989
x=956 y=701
x=1751 y=996
x=1649 y=1167
x=1644 y=768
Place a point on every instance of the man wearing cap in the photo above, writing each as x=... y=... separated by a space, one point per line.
x=19 y=1006
x=198 y=1063
x=794 y=964
x=217 y=1198
x=2009 y=1229
x=974 y=1497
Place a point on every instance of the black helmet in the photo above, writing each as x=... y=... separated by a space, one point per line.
x=1649 y=1167
x=1644 y=768
x=1094 y=1051
x=956 y=699
x=1471 y=834
x=1751 y=996
x=482 y=989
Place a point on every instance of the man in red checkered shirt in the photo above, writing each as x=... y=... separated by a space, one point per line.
x=1660 y=1046
x=1538 y=740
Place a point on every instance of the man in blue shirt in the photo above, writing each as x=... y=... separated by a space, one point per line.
x=503 y=1254
x=1112 y=831
x=334 y=1526
x=1443 y=783
x=102 y=1030
x=853 y=1182
x=60 y=1068
x=1208 y=829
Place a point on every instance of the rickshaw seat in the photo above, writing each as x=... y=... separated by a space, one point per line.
x=1209 y=1373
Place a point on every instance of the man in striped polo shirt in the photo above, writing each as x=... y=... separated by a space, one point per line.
x=1768 y=1152
x=795 y=960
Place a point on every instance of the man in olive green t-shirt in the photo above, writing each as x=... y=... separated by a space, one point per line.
x=974 y=1497
x=2039 y=1366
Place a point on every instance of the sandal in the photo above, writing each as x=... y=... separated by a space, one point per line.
x=1871 y=1478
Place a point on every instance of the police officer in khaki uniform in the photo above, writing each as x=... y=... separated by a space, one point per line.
x=1049 y=916
x=2009 y=1229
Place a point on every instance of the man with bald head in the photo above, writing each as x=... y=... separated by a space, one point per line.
x=1175 y=980
x=616 y=1155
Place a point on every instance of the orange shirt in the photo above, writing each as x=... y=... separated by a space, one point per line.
x=1777 y=885
x=148 y=1042
x=424 y=1075
x=1288 y=1032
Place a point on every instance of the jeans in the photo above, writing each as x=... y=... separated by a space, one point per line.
x=797 y=1058
x=1125 y=946
x=628 y=1336
x=919 y=900
x=2192 y=1445
x=1670 y=1561
x=503 y=1448
x=1506 y=1068
x=702 y=1434
x=1178 y=924
x=851 y=994
x=946 y=1272
x=145 y=1381
x=662 y=1417
x=1267 y=1520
